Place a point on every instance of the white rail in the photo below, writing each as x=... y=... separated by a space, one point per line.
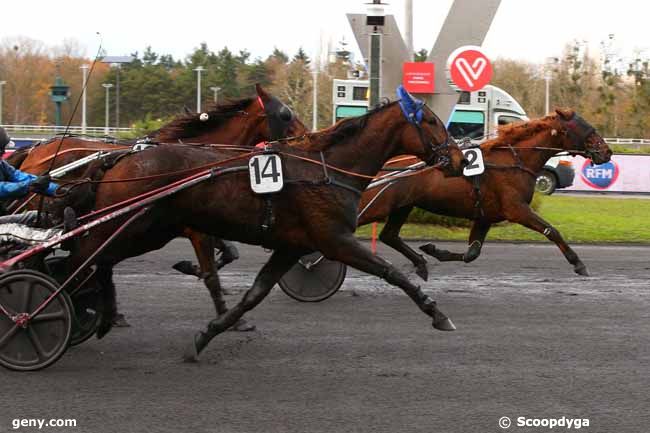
x=634 y=141
x=53 y=130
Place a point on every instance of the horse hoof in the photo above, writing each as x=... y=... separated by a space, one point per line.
x=192 y=352
x=186 y=267
x=581 y=270
x=242 y=326
x=429 y=248
x=103 y=328
x=444 y=325
x=422 y=272
x=119 y=321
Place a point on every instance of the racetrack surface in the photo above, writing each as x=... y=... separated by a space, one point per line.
x=533 y=340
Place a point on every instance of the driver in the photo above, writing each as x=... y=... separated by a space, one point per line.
x=15 y=184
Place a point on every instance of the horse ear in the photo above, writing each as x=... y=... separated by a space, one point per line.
x=403 y=94
x=565 y=113
x=261 y=92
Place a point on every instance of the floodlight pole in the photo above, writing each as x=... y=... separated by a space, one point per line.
x=198 y=87
x=547 y=78
x=107 y=86
x=375 y=19
x=314 y=119
x=84 y=72
x=117 y=96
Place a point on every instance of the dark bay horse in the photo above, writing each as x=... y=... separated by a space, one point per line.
x=240 y=123
x=504 y=191
x=316 y=210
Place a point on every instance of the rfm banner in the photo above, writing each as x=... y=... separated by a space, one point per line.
x=624 y=173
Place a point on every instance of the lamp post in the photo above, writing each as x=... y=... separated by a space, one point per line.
x=198 y=87
x=84 y=72
x=314 y=120
x=215 y=89
x=2 y=83
x=107 y=86
x=551 y=62
x=117 y=61
x=375 y=18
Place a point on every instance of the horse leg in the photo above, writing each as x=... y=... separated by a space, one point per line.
x=203 y=247
x=108 y=299
x=229 y=252
x=349 y=251
x=390 y=236
x=279 y=263
x=528 y=218
x=476 y=239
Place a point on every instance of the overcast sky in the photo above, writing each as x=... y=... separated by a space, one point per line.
x=523 y=29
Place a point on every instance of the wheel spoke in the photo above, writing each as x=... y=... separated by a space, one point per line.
x=44 y=317
x=8 y=335
x=27 y=297
x=36 y=342
x=10 y=311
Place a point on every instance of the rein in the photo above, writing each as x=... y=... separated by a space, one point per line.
x=75 y=149
x=74 y=184
x=519 y=164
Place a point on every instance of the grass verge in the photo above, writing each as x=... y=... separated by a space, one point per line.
x=578 y=219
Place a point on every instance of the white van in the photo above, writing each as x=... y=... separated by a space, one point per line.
x=478 y=114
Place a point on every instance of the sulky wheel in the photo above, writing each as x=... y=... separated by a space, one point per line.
x=28 y=344
x=313 y=279
x=84 y=301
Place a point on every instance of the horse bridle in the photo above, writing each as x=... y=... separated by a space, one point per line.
x=440 y=152
x=278 y=117
x=578 y=130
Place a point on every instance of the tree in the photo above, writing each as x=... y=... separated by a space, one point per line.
x=301 y=56
x=280 y=56
x=421 y=56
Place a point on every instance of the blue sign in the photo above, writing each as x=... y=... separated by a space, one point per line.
x=600 y=176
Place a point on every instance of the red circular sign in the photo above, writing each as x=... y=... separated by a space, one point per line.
x=470 y=69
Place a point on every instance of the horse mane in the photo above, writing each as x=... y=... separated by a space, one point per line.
x=189 y=125
x=520 y=131
x=341 y=130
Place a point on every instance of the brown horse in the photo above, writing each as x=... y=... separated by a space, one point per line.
x=245 y=122
x=316 y=210
x=241 y=123
x=503 y=192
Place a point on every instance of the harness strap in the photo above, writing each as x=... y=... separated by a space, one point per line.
x=327 y=179
x=268 y=219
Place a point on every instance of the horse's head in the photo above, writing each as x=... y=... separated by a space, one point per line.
x=427 y=137
x=280 y=119
x=579 y=136
x=245 y=122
